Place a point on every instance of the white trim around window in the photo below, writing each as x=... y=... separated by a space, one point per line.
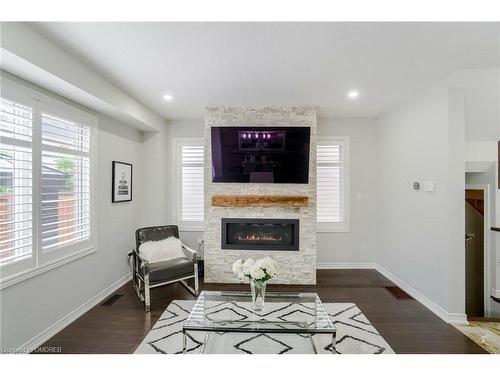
x=333 y=185
x=188 y=166
x=56 y=194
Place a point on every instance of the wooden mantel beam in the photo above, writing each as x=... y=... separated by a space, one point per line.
x=292 y=201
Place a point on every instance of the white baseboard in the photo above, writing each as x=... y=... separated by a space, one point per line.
x=495 y=293
x=52 y=330
x=344 y=266
x=451 y=318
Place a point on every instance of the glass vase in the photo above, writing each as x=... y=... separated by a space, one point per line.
x=258 y=289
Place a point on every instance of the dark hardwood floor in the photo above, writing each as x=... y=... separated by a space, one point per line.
x=405 y=324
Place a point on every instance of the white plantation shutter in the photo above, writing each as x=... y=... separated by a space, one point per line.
x=16 y=183
x=331 y=169
x=190 y=156
x=65 y=183
x=45 y=182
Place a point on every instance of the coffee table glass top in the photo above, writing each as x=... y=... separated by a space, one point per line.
x=283 y=313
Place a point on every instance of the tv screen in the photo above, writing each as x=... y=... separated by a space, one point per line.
x=260 y=154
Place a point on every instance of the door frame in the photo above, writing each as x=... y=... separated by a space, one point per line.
x=487 y=244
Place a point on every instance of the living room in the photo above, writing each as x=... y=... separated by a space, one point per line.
x=250 y=188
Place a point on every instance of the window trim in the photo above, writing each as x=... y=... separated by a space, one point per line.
x=344 y=227
x=185 y=226
x=69 y=253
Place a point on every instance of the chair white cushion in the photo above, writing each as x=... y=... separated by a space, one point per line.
x=158 y=251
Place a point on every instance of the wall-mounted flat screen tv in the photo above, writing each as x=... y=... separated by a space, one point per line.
x=259 y=154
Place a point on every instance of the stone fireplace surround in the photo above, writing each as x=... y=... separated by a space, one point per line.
x=294 y=267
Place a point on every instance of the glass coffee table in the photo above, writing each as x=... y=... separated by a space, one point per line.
x=284 y=313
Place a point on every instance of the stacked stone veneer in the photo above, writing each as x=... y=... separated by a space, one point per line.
x=295 y=267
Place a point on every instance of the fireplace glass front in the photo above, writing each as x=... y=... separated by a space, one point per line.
x=260 y=234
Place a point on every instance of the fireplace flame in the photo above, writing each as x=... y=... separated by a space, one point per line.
x=258 y=237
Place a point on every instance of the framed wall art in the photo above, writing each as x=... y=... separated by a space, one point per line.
x=121 y=182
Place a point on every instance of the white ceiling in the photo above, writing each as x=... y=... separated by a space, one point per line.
x=240 y=64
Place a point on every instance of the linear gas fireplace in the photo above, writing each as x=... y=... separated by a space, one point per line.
x=260 y=234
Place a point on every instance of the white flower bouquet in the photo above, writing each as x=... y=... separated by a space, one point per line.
x=259 y=273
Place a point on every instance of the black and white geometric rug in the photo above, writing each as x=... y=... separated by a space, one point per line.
x=355 y=334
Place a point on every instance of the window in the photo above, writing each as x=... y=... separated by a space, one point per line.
x=45 y=182
x=332 y=170
x=189 y=165
x=16 y=186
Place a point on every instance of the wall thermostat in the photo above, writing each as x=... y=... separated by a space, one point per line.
x=416 y=185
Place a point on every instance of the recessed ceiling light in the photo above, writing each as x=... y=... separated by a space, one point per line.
x=167 y=97
x=353 y=94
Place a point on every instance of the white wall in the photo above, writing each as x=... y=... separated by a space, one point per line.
x=482 y=102
x=179 y=129
x=420 y=237
x=356 y=248
x=481 y=151
x=153 y=180
x=30 y=307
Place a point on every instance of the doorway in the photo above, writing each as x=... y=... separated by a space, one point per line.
x=476 y=252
